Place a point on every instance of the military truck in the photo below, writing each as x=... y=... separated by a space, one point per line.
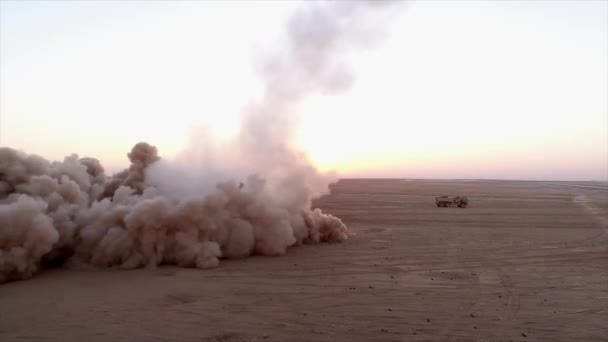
x=449 y=201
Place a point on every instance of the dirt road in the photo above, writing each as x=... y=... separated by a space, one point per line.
x=525 y=262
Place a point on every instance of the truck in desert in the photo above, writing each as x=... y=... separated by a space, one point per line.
x=452 y=201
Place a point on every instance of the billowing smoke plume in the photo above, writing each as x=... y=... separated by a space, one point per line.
x=309 y=61
x=228 y=199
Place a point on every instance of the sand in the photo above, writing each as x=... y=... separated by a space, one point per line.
x=527 y=261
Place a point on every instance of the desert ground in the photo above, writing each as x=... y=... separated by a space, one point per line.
x=526 y=261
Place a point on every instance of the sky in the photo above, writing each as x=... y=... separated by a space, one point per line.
x=471 y=89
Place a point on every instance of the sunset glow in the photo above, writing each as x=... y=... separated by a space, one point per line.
x=514 y=90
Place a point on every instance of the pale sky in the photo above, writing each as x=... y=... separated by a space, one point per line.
x=480 y=89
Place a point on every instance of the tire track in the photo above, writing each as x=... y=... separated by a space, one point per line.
x=456 y=318
x=513 y=302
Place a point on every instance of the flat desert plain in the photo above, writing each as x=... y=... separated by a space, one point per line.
x=527 y=261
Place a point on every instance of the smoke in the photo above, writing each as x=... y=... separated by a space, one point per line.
x=309 y=60
x=218 y=199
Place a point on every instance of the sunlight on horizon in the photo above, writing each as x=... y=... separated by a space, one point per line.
x=513 y=90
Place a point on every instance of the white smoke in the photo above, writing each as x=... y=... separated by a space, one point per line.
x=310 y=60
x=223 y=199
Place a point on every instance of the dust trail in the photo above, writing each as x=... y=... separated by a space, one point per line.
x=59 y=211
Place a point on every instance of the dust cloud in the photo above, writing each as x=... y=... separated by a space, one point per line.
x=69 y=212
x=221 y=199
